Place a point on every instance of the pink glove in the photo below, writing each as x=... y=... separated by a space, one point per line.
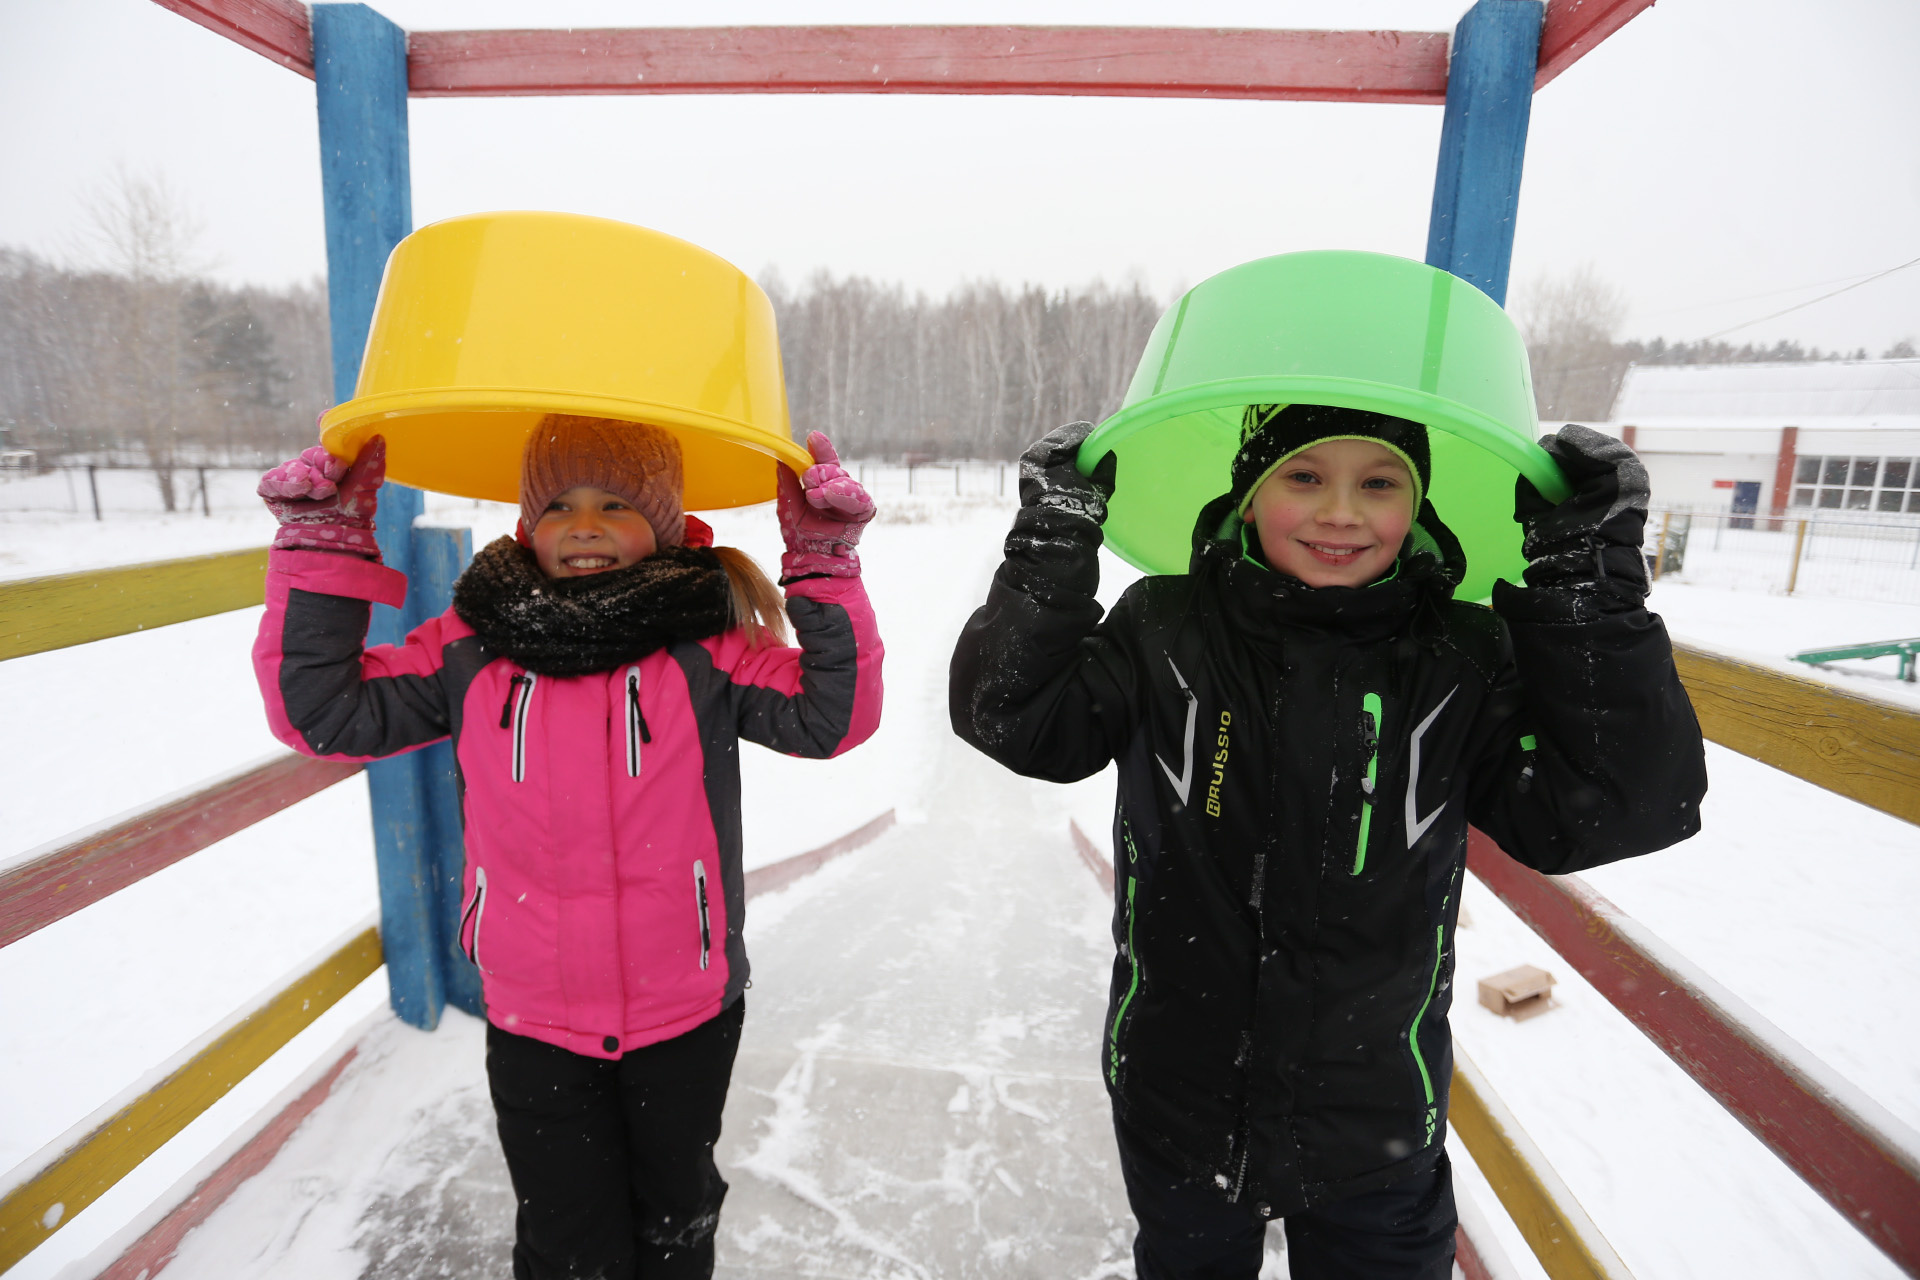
x=323 y=504
x=821 y=516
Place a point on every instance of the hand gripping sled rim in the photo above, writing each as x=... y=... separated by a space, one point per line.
x=487 y=322
x=1338 y=327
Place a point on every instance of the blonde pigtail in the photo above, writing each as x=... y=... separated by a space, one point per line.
x=756 y=603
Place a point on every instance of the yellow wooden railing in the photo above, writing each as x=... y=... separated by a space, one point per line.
x=79 y=1169
x=38 y=614
x=42 y=614
x=1863 y=748
x=1551 y=1221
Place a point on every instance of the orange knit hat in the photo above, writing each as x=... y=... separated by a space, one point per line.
x=636 y=461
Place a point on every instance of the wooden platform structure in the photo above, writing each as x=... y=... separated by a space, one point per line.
x=1483 y=75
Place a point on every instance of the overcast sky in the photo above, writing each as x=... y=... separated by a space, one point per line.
x=1717 y=160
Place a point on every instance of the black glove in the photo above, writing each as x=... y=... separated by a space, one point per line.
x=1596 y=534
x=1048 y=477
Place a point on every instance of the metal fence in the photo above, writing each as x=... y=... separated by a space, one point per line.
x=1796 y=554
x=103 y=492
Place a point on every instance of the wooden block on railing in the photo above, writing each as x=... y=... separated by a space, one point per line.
x=1519 y=993
x=1863 y=748
x=39 y=614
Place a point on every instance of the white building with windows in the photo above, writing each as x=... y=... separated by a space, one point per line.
x=1834 y=435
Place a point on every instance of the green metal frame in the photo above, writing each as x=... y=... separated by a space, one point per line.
x=1902 y=649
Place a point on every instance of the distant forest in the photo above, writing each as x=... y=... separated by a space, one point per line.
x=165 y=368
x=977 y=374
x=157 y=372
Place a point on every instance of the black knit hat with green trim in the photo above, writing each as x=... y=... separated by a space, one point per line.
x=1272 y=433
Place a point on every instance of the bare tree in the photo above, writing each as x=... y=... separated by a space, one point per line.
x=136 y=229
x=1569 y=321
x=248 y=377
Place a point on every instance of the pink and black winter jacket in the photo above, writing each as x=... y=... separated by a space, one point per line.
x=604 y=893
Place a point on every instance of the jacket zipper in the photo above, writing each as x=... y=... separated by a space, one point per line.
x=474 y=911
x=637 y=732
x=1133 y=959
x=700 y=893
x=517 y=711
x=1370 y=738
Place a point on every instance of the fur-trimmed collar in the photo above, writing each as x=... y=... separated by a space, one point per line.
x=572 y=626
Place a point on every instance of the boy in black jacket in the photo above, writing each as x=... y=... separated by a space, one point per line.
x=1305 y=724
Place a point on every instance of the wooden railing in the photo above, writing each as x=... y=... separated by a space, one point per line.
x=38 y=614
x=56 y=880
x=1844 y=1145
x=1388 y=66
x=1860 y=1158
x=76 y=1169
x=1551 y=1221
x=1863 y=748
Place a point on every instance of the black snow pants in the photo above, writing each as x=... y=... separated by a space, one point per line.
x=1189 y=1231
x=612 y=1161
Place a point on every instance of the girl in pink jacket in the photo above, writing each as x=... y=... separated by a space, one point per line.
x=595 y=674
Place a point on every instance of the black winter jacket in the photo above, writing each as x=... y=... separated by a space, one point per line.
x=1298 y=768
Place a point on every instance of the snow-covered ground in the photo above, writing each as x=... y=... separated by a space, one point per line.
x=1798 y=901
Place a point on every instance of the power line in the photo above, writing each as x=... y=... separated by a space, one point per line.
x=1858 y=276
x=1810 y=301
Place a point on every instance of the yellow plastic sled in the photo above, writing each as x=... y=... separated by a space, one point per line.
x=487 y=322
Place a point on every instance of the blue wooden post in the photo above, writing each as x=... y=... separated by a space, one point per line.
x=1483 y=141
x=360 y=77
x=438 y=557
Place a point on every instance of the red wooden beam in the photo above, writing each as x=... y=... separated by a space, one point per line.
x=1127 y=62
x=1136 y=62
x=1465 y=1256
x=148 y=1256
x=1574 y=28
x=53 y=883
x=1849 y=1149
x=1097 y=862
x=780 y=874
x=276 y=29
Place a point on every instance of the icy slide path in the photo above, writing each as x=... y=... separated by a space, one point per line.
x=917 y=1092
x=921 y=1069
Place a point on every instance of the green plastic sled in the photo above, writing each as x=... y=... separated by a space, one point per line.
x=1358 y=330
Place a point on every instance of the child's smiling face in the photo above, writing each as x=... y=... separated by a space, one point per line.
x=587 y=530
x=1335 y=514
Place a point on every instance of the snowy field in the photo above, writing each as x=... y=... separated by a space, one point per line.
x=1798 y=901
